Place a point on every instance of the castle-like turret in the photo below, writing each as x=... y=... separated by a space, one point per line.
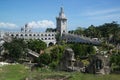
x=61 y=22
x=26 y=28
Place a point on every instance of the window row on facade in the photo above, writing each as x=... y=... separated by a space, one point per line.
x=37 y=38
x=46 y=38
x=13 y=35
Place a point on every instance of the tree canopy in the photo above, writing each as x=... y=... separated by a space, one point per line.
x=50 y=30
x=17 y=48
x=82 y=50
x=36 y=45
x=108 y=31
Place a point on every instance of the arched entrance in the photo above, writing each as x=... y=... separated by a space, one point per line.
x=50 y=44
x=98 y=64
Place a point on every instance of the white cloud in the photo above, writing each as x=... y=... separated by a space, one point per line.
x=111 y=14
x=7 y=25
x=106 y=17
x=102 y=12
x=41 y=24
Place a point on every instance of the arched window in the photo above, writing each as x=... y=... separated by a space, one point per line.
x=30 y=34
x=37 y=34
x=48 y=34
x=52 y=34
x=25 y=34
x=12 y=35
x=21 y=35
x=16 y=34
x=34 y=35
x=45 y=34
x=52 y=38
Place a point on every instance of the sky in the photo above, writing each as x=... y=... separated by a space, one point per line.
x=41 y=14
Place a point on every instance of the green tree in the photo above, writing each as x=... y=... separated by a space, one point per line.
x=58 y=38
x=50 y=30
x=16 y=49
x=110 y=31
x=71 y=31
x=36 y=45
x=82 y=50
x=79 y=31
x=56 y=55
x=91 y=31
x=44 y=59
x=115 y=62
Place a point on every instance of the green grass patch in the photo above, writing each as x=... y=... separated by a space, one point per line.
x=19 y=72
x=80 y=76
x=13 y=72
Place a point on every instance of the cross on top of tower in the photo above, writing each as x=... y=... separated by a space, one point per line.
x=61 y=14
x=62 y=11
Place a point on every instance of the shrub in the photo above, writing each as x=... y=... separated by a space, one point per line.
x=44 y=59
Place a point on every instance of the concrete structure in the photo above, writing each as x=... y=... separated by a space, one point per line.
x=61 y=22
x=72 y=38
x=67 y=61
x=99 y=64
x=49 y=37
x=25 y=33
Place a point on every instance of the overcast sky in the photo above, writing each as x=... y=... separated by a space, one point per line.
x=42 y=13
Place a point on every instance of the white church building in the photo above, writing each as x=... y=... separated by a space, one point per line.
x=47 y=37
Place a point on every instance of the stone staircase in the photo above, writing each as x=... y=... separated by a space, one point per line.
x=33 y=53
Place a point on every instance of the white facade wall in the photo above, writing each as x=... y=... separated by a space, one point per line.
x=47 y=37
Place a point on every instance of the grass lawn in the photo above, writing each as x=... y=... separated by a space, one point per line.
x=13 y=72
x=19 y=72
x=80 y=76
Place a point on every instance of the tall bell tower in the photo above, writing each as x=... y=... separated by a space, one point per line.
x=61 y=22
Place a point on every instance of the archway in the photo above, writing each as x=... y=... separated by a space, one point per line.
x=50 y=44
x=98 y=64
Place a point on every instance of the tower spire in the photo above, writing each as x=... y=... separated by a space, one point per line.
x=62 y=11
x=61 y=14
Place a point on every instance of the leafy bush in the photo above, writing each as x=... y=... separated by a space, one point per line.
x=56 y=55
x=82 y=49
x=115 y=59
x=17 y=48
x=36 y=45
x=53 y=65
x=44 y=59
